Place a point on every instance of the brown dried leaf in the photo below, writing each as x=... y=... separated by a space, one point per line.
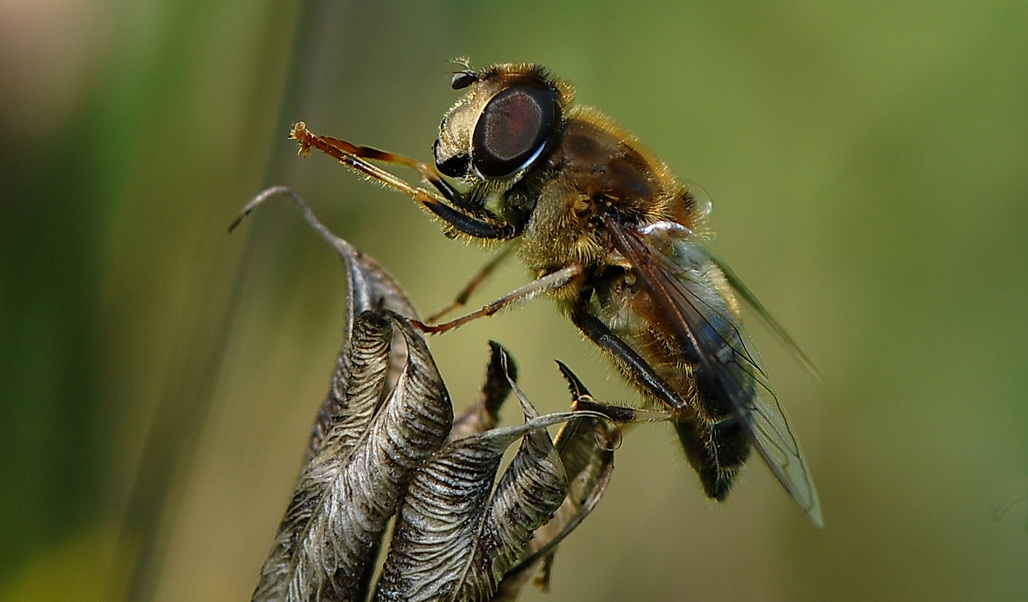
x=376 y=444
x=369 y=288
x=586 y=446
x=348 y=492
x=452 y=540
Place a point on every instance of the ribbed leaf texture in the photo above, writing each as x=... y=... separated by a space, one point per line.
x=349 y=491
x=452 y=540
x=385 y=444
x=586 y=448
x=369 y=288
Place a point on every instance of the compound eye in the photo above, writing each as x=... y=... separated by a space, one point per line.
x=513 y=129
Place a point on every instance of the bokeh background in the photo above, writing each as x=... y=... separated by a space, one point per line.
x=869 y=170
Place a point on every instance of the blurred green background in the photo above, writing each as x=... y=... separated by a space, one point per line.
x=869 y=170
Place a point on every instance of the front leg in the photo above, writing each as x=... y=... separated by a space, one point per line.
x=352 y=156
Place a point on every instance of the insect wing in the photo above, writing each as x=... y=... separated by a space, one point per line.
x=682 y=278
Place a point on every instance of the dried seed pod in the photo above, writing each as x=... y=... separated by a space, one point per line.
x=352 y=487
x=586 y=447
x=384 y=443
x=455 y=536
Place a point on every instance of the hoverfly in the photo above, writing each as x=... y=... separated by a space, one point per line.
x=610 y=234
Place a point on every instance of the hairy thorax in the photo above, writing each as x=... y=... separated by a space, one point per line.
x=598 y=167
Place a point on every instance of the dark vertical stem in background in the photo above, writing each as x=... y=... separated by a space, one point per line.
x=185 y=405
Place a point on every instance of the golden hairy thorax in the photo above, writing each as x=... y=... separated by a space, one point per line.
x=596 y=165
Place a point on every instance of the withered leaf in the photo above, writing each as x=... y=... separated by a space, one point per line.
x=377 y=449
x=348 y=492
x=369 y=288
x=586 y=447
x=454 y=541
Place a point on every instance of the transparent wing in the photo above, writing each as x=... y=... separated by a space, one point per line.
x=690 y=288
x=747 y=295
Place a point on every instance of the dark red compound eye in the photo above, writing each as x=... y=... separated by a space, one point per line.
x=513 y=129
